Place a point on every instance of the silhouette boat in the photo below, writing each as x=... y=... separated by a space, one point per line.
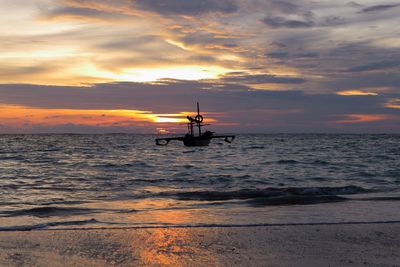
x=193 y=139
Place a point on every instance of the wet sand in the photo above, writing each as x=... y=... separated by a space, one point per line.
x=301 y=245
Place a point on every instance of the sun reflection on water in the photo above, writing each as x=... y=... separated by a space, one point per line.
x=168 y=247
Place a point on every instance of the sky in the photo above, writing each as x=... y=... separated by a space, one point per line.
x=255 y=66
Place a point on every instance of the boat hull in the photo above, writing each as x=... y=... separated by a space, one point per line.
x=196 y=141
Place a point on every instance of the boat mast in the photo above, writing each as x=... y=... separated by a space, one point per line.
x=191 y=128
x=198 y=116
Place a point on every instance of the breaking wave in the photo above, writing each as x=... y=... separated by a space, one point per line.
x=47 y=225
x=272 y=196
x=48 y=211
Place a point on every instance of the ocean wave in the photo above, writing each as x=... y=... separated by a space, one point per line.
x=277 y=196
x=287 y=161
x=189 y=151
x=321 y=162
x=294 y=200
x=110 y=165
x=291 y=161
x=48 y=211
x=389 y=198
x=13 y=158
x=47 y=225
x=148 y=180
x=254 y=147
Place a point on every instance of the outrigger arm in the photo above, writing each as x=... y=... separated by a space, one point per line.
x=165 y=141
x=228 y=138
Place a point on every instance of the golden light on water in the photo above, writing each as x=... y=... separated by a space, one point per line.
x=166 y=247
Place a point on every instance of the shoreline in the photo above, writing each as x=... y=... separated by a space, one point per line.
x=43 y=227
x=275 y=245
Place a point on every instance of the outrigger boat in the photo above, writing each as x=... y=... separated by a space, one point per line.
x=191 y=139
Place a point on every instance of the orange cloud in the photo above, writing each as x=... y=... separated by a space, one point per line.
x=356 y=92
x=361 y=118
x=393 y=103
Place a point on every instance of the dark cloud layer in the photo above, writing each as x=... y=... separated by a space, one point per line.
x=379 y=8
x=260 y=79
x=185 y=7
x=84 y=13
x=251 y=110
x=280 y=22
x=383 y=65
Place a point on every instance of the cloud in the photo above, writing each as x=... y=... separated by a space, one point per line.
x=363 y=118
x=287 y=55
x=308 y=50
x=203 y=58
x=302 y=15
x=235 y=110
x=389 y=80
x=123 y=8
x=86 y=14
x=305 y=20
x=333 y=21
x=184 y=7
x=339 y=66
x=278 y=54
x=383 y=65
x=13 y=72
x=260 y=79
x=356 y=92
x=354 y=4
x=282 y=6
x=280 y=22
x=378 y=8
x=393 y=103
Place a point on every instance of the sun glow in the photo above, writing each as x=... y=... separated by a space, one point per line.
x=87 y=73
x=23 y=117
x=154 y=74
x=169 y=120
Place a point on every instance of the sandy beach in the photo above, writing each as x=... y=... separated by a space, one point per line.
x=301 y=245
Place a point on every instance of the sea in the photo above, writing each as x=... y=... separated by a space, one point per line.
x=86 y=181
